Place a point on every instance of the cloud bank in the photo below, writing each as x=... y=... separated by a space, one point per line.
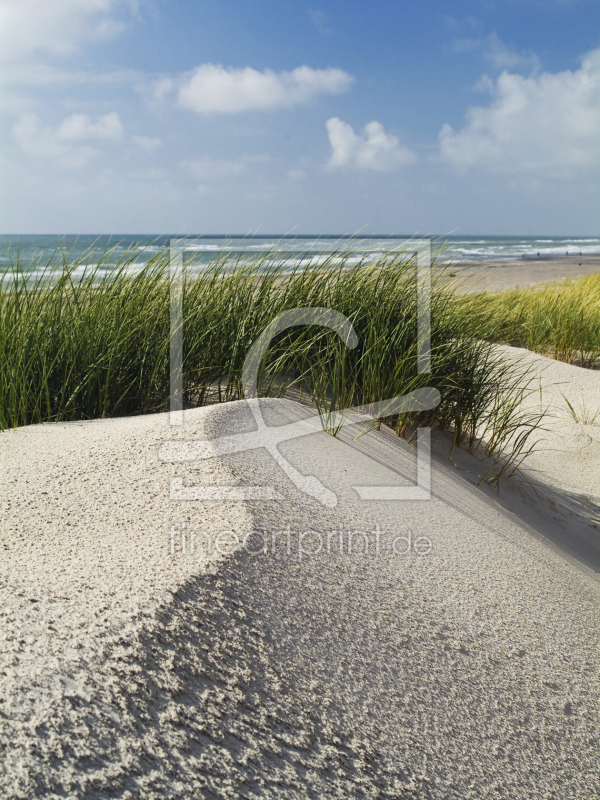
x=80 y=126
x=56 y=27
x=375 y=150
x=547 y=122
x=67 y=142
x=213 y=89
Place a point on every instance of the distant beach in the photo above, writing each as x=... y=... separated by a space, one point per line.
x=498 y=275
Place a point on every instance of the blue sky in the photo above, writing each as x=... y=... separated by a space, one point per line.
x=147 y=116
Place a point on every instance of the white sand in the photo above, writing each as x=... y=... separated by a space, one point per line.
x=568 y=454
x=499 y=275
x=470 y=671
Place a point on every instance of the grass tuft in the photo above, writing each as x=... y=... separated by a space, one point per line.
x=559 y=320
x=83 y=343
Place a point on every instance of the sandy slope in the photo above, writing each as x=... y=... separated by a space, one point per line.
x=133 y=668
x=568 y=454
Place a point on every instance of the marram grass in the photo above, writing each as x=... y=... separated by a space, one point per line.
x=96 y=345
x=559 y=320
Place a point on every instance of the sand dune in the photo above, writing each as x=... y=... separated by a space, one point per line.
x=133 y=667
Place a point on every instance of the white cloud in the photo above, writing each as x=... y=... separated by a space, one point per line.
x=502 y=57
x=161 y=87
x=57 y=27
x=497 y=53
x=547 y=122
x=146 y=143
x=213 y=89
x=65 y=142
x=154 y=92
x=40 y=141
x=375 y=150
x=80 y=126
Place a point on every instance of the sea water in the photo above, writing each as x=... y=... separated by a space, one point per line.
x=35 y=251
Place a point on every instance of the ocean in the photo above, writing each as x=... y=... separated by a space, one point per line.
x=40 y=250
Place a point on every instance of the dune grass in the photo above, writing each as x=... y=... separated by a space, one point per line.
x=83 y=346
x=559 y=320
